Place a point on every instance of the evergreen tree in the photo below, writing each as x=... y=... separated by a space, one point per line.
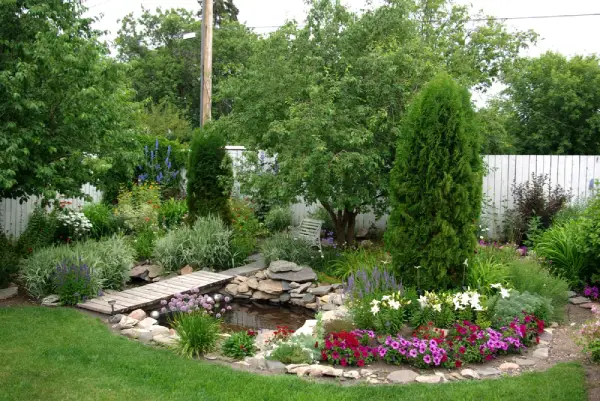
x=436 y=187
x=210 y=177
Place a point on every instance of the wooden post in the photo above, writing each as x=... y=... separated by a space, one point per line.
x=206 y=62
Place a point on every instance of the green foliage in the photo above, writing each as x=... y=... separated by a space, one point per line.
x=485 y=270
x=560 y=247
x=355 y=260
x=9 y=259
x=104 y=222
x=282 y=246
x=590 y=241
x=39 y=232
x=210 y=177
x=172 y=213
x=138 y=207
x=278 y=219
x=496 y=140
x=63 y=99
x=339 y=110
x=165 y=120
x=436 y=187
x=111 y=259
x=143 y=243
x=205 y=244
x=322 y=214
x=198 y=332
x=239 y=345
x=554 y=102
x=289 y=353
x=505 y=309
x=569 y=212
x=75 y=282
x=529 y=276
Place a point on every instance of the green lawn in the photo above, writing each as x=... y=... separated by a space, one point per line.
x=61 y=354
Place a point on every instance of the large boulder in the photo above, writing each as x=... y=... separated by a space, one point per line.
x=308 y=328
x=154 y=271
x=281 y=266
x=301 y=276
x=252 y=283
x=138 y=314
x=231 y=289
x=270 y=287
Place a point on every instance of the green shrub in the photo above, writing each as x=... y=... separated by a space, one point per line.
x=241 y=248
x=143 y=243
x=9 y=259
x=75 y=282
x=352 y=261
x=590 y=239
x=104 y=222
x=288 y=353
x=205 y=244
x=570 y=212
x=209 y=177
x=278 y=219
x=39 y=232
x=485 y=270
x=283 y=246
x=435 y=187
x=138 y=207
x=560 y=246
x=198 y=332
x=239 y=345
x=504 y=310
x=172 y=213
x=529 y=276
x=110 y=259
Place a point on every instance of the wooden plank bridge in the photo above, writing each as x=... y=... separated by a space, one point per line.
x=152 y=294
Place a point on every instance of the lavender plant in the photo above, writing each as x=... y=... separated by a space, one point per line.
x=75 y=282
x=155 y=169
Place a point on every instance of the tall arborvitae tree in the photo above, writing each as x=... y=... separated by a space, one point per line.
x=436 y=186
x=209 y=177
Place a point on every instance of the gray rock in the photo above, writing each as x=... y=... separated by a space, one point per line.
x=312 y=305
x=292 y=368
x=51 y=300
x=275 y=366
x=300 y=289
x=540 y=353
x=525 y=362
x=428 y=379
x=469 y=374
x=294 y=285
x=367 y=372
x=154 y=271
x=319 y=291
x=579 y=300
x=308 y=328
x=571 y=294
x=328 y=307
x=127 y=322
x=589 y=305
x=456 y=376
x=260 y=275
x=270 y=287
x=486 y=372
x=262 y=295
x=158 y=330
x=282 y=266
x=138 y=314
x=300 y=276
x=243 y=287
x=164 y=340
x=285 y=297
x=402 y=376
x=337 y=320
x=115 y=318
x=285 y=285
x=145 y=336
x=508 y=366
x=138 y=271
x=257 y=362
x=545 y=336
x=146 y=323
x=351 y=374
x=252 y=283
x=308 y=298
x=131 y=333
x=232 y=289
x=9 y=292
x=275 y=301
x=241 y=279
x=336 y=299
x=296 y=295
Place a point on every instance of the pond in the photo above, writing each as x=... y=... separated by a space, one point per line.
x=254 y=315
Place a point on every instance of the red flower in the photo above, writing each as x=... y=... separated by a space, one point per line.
x=343 y=362
x=360 y=362
x=489 y=357
x=462 y=350
x=323 y=355
x=356 y=354
x=458 y=364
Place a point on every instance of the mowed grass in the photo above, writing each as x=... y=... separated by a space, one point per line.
x=62 y=354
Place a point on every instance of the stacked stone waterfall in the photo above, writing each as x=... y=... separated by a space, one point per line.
x=286 y=282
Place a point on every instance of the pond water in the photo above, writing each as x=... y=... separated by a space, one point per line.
x=254 y=315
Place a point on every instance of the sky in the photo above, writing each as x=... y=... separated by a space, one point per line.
x=569 y=36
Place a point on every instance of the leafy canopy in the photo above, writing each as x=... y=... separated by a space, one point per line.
x=64 y=104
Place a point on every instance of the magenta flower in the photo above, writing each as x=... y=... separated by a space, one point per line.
x=335 y=355
x=427 y=359
x=412 y=353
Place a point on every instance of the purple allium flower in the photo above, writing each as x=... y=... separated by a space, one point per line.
x=227 y=299
x=228 y=307
x=218 y=315
x=163 y=302
x=163 y=310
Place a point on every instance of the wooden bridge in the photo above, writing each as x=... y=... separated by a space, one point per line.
x=152 y=294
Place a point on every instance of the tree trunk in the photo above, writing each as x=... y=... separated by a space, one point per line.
x=344 y=221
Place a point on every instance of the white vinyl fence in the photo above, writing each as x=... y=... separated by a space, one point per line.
x=573 y=173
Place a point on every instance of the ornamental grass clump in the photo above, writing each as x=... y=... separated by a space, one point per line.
x=198 y=332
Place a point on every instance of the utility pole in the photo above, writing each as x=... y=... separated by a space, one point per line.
x=206 y=62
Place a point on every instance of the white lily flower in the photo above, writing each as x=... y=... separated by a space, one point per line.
x=375 y=309
x=504 y=293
